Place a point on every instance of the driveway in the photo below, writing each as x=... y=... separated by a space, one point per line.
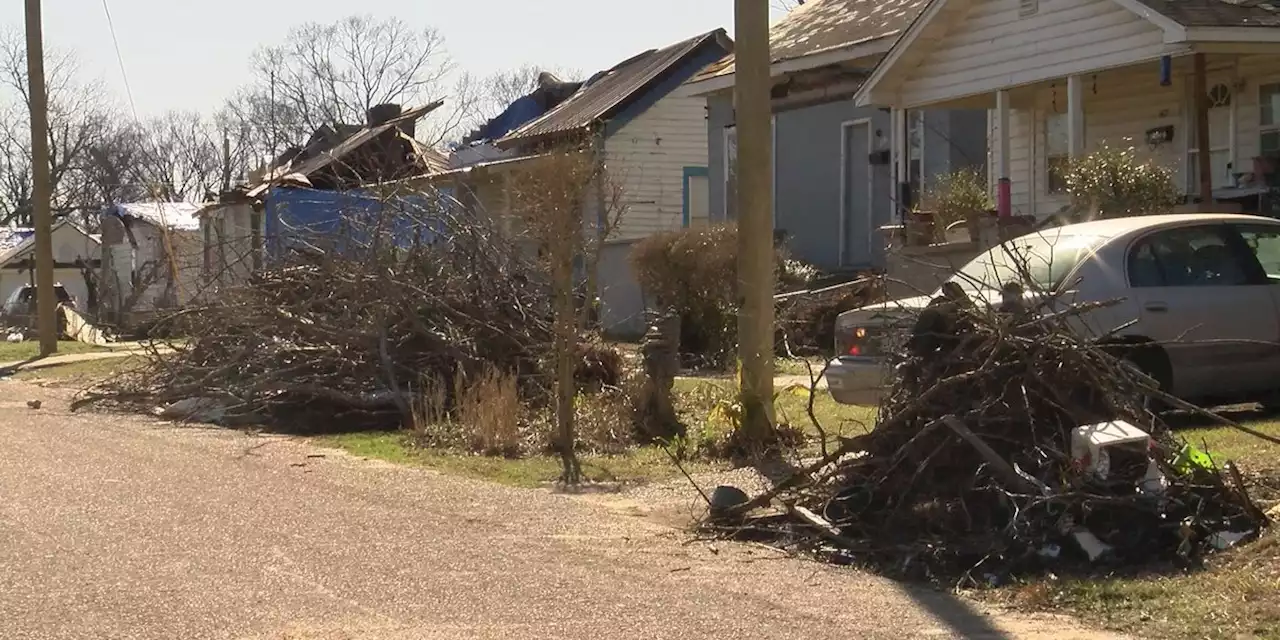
x=122 y=527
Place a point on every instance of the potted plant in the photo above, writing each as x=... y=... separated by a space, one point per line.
x=960 y=195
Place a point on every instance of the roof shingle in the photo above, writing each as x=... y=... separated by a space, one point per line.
x=819 y=26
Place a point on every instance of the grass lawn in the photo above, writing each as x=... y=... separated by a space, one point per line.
x=28 y=349
x=83 y=373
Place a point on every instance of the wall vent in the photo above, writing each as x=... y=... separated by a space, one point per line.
x=1028 y=8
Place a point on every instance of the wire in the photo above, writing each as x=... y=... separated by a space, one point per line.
x=120 y=59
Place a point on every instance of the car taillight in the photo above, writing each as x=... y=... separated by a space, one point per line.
x=855 y=351
x=855 y=341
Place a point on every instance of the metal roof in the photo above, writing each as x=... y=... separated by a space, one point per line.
x=820 y=26
x=604 y=94
x=183 y=216
x=1218 y=13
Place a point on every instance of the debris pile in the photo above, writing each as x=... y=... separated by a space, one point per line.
x=1007 y=445
x=349 y=333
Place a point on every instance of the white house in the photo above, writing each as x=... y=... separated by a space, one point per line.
x=74 y=251
x=1064 y=77
x=152 y=255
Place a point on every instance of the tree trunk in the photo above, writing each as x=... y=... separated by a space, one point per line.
x=565 y=348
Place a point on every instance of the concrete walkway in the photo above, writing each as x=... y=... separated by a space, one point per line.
x=123 y=527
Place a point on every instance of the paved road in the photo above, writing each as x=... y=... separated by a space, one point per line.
x=120 y=527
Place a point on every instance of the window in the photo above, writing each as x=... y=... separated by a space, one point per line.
x=1269 y=124
x=1057 y=152
x=1264 y=242
x=1220 y=155
x=915 y=150
x=1187 y=257
x=1043 y=261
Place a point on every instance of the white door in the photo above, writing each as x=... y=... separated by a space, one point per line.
x=699 y=201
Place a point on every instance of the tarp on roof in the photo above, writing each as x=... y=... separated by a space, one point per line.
x=182 y=216
x=297 y=217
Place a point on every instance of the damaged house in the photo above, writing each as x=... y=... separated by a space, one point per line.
x=653 y=141
x=150 y=258
x=307 y=189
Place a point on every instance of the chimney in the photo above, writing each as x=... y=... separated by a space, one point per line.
x=381 y=113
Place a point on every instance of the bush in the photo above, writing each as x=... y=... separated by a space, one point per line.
x=1113 y=183
x=955 y=196
x=695 y=272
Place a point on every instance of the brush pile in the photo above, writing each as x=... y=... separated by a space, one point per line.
x=347 y=332
x=971 y=470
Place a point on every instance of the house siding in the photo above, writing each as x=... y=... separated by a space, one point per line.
x=992 y=47
x=1120 y=106
x=807 y=174
x=647 y=157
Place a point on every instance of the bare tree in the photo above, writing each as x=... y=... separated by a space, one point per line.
x=497 y=91
x=180 y=157
x=568 y=206
x=328 y=74
x=79 y=117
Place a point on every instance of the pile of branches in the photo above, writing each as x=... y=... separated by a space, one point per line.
x=346 y=328
x=970 y=475
x=806 y=320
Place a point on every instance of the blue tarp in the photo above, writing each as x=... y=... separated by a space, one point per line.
x=521 y=111
x=299 y=216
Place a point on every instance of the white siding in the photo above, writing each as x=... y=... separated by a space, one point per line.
x=647 y=157
x=1020 y=151
x=1120 y=106
x=992 y=47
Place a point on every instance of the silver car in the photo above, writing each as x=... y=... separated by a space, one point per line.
x=1199 y=310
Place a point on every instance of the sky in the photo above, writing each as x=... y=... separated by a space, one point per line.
x=183 y=54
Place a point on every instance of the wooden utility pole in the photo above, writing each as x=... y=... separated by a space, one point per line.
x=755 y=216
x=46 y=300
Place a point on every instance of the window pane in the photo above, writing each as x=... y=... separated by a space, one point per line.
x=1196 y=257
x=1144 y=269
x=1270 y=102
x=1270 y=143
x=1055 y=134
x=1057 y=167
x=915 y=134
x=1265 y=243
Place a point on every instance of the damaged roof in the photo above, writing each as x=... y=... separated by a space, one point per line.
x=1218 y=13
x=820 y=26
x=607 y=93
x=353 y=142
x=182 y=216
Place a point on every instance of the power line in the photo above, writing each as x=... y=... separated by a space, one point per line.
x=133 y=107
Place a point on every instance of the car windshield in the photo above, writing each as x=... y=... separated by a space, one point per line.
x=1040 y=261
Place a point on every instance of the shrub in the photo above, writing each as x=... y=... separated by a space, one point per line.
x=486 y=415
x=955 y=196
x=1112 y=183
x=695 y=272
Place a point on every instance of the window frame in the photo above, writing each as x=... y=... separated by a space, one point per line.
x=1192 y=149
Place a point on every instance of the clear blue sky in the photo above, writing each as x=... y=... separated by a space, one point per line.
x=190 y=55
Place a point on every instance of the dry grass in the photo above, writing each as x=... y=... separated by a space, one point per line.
x=486 y=418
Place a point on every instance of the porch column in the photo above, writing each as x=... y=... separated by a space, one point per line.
x=901 y=163
x=1004 y=189
x=1075 y=117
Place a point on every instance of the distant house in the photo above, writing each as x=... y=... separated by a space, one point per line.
x=832 y=176
x=654 y=143
x=76 y=252
x=151 y=258
x=235 y=231
x=1064 y=78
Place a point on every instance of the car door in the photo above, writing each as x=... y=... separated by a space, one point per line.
x=1202 y=295
x=1263 y=243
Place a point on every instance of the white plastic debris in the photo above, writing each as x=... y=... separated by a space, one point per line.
x=1050 y=551
x=1089 y=444
x=1090 y=544
x=194 y=410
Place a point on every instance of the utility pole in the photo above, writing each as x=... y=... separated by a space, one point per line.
x=755 y=217
x=46 y=300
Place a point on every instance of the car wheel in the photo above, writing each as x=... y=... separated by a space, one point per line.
x=1152 y=361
